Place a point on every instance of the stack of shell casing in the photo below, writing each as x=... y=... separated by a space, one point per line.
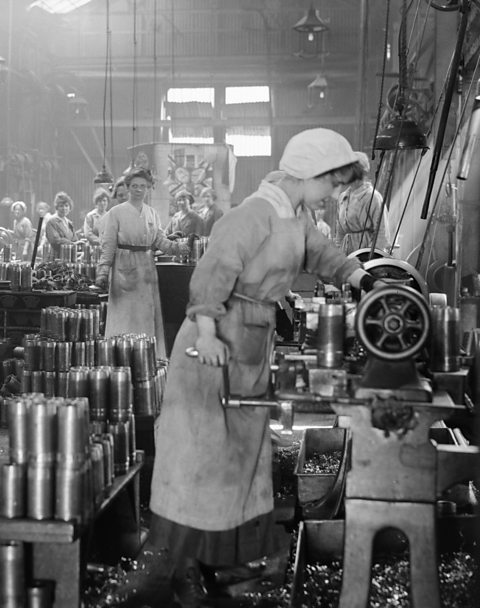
x=69 y=340
x=57 y=468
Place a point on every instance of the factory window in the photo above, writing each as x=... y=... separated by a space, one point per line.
x=246 y=113
x=185 y=107
x=249 y=105
x=247 y=94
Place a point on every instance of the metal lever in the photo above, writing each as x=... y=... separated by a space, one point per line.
x=286 y=405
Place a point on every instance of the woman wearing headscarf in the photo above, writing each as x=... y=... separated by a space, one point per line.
x=212 y=498
x=210 y=212
x=360 y=212
x=22 y=236
x=91 y=230
x=132 y=232
x=185 y=221
x=59 y=230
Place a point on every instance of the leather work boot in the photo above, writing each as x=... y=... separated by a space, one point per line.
x=188 y=584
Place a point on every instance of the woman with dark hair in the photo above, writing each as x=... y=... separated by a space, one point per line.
x=210 y=212
x=185 y=221
x=59 y=229
x=132 y=232
x=120 y=191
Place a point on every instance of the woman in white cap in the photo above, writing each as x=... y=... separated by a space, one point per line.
x=360 y=213
x=22 y=231
x=212 y=498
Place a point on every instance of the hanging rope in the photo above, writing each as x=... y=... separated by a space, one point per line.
x=110 y=82
x=105 y=83
x=134 y=87
x=382 y=81
x=155 y=72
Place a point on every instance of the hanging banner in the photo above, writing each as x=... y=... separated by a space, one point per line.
x=186 y=166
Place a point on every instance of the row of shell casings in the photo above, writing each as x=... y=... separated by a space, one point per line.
x=88 y=253
x=84 y=269
x=108 y=389
x=66 y=490
x=16 y=591
x=50 y=355
x=70 y=324
x=57 y=469
x=18 y=273
x=138 y=351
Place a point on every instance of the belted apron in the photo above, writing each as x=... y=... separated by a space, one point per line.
x=213 y=464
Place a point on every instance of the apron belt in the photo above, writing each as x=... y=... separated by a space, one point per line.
x=134 y=247
x=241 y=296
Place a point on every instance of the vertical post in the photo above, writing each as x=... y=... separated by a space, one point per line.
x=362 y=75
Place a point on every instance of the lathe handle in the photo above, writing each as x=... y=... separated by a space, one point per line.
x=191 y=351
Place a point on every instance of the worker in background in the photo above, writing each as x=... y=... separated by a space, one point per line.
x=360 y=212
x=210 y=211
x=59 y=229
x=212 y=498
x=119 y=192
x=101 y=200
x=185 y=221
x=132 y=232
x=22 y=235
x=322 y=225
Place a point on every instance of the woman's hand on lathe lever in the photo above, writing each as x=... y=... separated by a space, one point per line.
x=212 y=351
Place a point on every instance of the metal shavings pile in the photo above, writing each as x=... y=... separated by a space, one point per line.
x=326 y=463
x=458 y=574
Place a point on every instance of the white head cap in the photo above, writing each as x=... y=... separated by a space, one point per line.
x=20 y=204
x=316 y=151
x=362 y=159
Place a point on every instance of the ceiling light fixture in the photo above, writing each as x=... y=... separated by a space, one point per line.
x=311 y=23
x=104 y=177
x=313 y=26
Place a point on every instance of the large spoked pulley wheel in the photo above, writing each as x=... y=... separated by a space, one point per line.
x=399 y=272
x=392 y=323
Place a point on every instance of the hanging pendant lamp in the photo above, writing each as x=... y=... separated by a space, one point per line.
x=104 y=177
x=311 y=24
x=401 y=133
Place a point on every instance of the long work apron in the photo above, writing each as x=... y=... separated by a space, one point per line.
x=212 y=466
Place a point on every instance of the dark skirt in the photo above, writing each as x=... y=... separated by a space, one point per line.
x=251 y=541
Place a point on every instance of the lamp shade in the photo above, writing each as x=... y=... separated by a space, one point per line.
x=103 y=177
x=401 y=133
x=311 y=23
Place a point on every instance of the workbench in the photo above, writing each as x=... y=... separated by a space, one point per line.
x=59 y=550
x=21 y=310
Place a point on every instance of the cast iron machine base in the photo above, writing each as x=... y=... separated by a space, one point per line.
x=397 y=474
